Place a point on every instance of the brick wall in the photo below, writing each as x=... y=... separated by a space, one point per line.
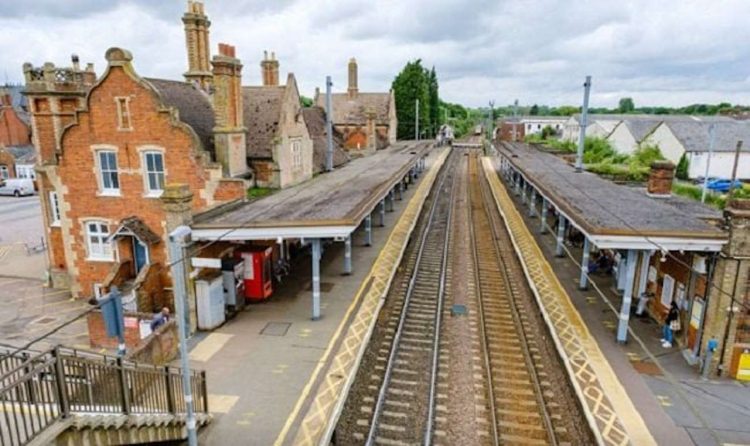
x=159 y=348
x=13 y=131
x=7 y=160
x=98 y=334
x=230 y=190
x=97 y=128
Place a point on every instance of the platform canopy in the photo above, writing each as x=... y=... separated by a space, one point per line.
x=331 y=205
x=614 y=216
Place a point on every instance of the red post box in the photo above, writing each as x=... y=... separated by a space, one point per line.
x=257 y=273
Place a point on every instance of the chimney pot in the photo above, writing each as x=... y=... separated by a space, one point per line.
x=660 y=179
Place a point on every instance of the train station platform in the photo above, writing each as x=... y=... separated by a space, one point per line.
x=607 y=215
x=677 y=406
x=267 y=365
x=613 y=418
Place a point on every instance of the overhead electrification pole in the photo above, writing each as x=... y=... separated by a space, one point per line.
x=584 y=122
x=711 y=141
x=416 y=121
x=515 y=120
x=329 y=126
x=178 y=240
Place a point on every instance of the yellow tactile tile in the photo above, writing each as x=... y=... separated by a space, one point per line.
x=328 y=398
x=611 y=414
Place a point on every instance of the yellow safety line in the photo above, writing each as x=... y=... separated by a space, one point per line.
x=611 y=414
x=329 y=397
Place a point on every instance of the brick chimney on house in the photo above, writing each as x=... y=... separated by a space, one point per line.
x=229 y=132
x=660 y=179
x=353 y=90
x=196 y=39
x=269 y=70
x=6 y=100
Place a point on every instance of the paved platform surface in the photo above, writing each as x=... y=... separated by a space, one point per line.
x=341 y=198
x=21 y=229
x=610 y=411
x=676 y=405
x=627 y=211
x=259 y=363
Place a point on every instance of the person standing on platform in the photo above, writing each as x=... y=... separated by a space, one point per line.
x=671 y=324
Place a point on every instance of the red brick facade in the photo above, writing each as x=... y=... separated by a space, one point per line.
x=13 y=131
x=72 y=169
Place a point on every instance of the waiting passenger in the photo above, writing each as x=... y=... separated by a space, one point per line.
x=671 y=324
x=160 y=319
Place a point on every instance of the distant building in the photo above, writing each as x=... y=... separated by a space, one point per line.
x=599 y=126
x=315 y=119
x=691 y=138
x=633 y=130
x=17 y=162
x=279 y=147
x=366 y=120
x=516 y=128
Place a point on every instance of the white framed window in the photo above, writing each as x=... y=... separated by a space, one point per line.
x=25 y=172
x=4 y=172
x=297 y=153
x=99 y=291
x=153 y=173
x=54 y=209
x=99 y=248
x=108 y=179
x=123 y=113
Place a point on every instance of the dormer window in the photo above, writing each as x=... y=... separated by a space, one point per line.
x=123 y=113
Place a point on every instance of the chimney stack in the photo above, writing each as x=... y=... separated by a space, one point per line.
x=269 y=70
x=229 y=132
x=196 y=39
x=660 y=179
x=353 y=90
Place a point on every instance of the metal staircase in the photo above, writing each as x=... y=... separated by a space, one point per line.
x=68 y=396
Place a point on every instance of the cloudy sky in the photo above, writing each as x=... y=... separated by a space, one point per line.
x=658 y=52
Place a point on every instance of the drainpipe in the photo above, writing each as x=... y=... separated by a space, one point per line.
x=720 y=367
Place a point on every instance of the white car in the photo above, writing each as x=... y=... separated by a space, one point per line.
x=17 y=187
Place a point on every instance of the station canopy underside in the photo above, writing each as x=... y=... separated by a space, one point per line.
x=615 y=216
x=331 y=205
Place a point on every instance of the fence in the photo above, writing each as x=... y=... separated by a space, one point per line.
x=38 y=389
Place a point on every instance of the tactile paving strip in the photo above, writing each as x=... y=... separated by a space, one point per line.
x=611 y=414
x=329 y=397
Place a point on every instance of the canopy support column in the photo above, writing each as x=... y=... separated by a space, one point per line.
x=627 y=297
x=583 y=283
x=543 y=223
x=316 y=278
x=560 y=236
x=348 y=255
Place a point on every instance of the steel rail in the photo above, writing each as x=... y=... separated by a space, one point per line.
x=480 y=308
x=544 y=412
x=404 y=310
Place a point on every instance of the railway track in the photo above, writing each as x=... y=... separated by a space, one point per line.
x=516 y=394
x=404 y=392
x=485 y=373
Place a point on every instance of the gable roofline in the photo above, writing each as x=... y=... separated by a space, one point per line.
x=122 y=59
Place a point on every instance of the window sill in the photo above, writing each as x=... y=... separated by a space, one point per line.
x=55 y=224
x=153 y=194
x=109 y=194
x=100 y=259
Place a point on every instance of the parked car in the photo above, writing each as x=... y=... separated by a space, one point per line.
x=17 y=186
x=700 y=180
x=723 y=185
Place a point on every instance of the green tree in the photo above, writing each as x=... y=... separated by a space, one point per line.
x=683 y=166
x=304 y=101
x=434 y=111
x=410 y=85
x=534 y=110
x=626 y=105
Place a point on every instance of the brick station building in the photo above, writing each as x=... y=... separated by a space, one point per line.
x=124 y=159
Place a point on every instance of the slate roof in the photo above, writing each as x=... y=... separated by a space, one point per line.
x=193 y=105
x=136 y=227
x=315 y=120
x=694 y=136
x=262 y=112
x=354 y=110
x=25 y=154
